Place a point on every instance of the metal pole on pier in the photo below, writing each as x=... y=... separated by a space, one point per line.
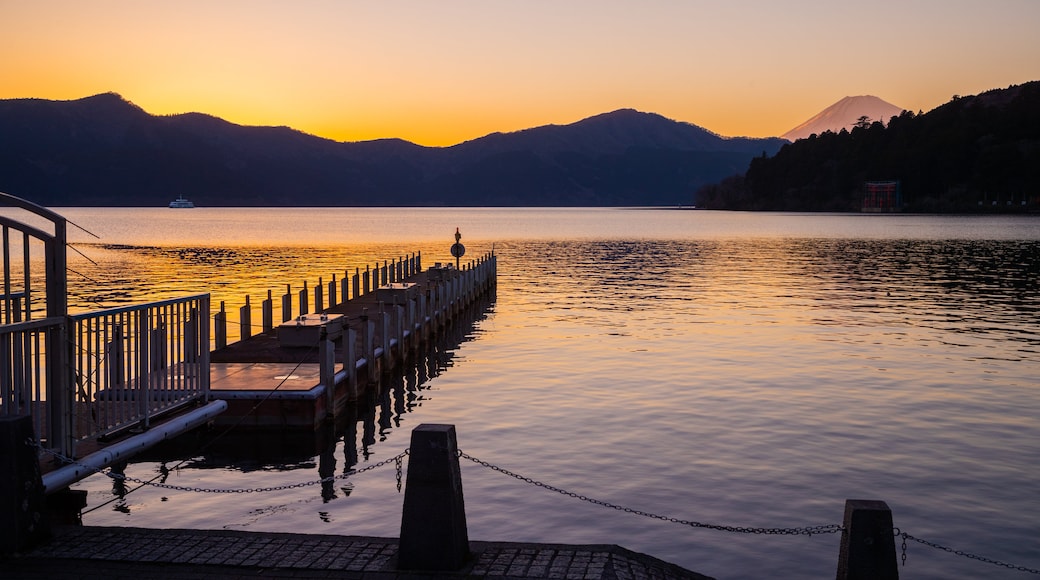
x=457 y=249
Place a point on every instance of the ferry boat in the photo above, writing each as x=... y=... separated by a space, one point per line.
x=181 y=202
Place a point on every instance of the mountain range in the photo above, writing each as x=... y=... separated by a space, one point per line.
x=105 y=151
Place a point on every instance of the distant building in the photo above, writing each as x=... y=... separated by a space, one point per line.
x=882 y=196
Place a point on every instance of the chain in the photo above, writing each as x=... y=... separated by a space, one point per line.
x=806 y=531
x=397 y=460
x=907 y=536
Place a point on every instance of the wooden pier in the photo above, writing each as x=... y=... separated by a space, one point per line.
x=297 y=374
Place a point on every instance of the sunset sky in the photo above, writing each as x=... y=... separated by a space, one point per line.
x=438 y=72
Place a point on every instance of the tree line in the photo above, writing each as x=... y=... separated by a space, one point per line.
x=979 y=153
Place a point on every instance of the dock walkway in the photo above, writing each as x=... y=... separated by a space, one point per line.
x=85 y=552
x=271 y=382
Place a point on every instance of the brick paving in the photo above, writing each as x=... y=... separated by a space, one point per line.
x=88 y=552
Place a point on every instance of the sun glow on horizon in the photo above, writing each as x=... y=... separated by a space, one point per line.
x=442 y=74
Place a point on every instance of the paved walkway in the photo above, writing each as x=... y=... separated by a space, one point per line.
x=88 y=552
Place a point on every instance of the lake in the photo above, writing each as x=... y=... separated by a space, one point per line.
x=739 y=369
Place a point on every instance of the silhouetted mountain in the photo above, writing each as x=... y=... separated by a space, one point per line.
x=973 y=154
x=103 y=150
x=845 y=114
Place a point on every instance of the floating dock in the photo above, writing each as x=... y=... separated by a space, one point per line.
x=298 y=373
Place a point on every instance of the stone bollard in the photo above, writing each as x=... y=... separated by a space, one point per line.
x=22 y=510
x=433 y=522
x=868 y=545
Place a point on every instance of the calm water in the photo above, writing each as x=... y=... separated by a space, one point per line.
x=729 y=368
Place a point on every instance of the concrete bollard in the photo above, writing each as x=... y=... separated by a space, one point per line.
x=868 y=545
x=22 y=512
x=433 y=522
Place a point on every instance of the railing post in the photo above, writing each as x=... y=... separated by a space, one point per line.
x=332 y=292
x=267 y=312
x=220 y=327
x=191 y=337
x=143 y=394
x=344 y=286
x=304 y=300
x=433 y=522
x=365 y=279
x=868 y=545
x=356 y=280
x=203 y=375
x=245 y=321
x=287 y=304
x=319 y=298
x=62 y=422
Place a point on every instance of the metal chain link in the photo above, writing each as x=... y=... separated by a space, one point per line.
x=970 y=556
x=397 y=459
x=806 y=531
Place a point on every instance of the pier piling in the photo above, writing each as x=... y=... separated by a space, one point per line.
x=433 y=522
x=868 y=546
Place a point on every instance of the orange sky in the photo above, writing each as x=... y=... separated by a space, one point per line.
x=442 y=72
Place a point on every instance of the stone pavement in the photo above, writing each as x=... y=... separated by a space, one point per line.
x=89 y=552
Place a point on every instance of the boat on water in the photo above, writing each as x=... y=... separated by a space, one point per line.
x=181 y=202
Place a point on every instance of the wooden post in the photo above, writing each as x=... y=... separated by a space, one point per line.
x=433 y=522
x=868 y=545
x=287 y=304
x=344 y=286
x=220 y=327
x=267 y=312
x=398 y=322
x=365 y=279
x=367 y=344
x=350 y=360
x=245 y=321
x=384 y=331
x=327 y=371
x=332 y=292
x=304 y=301
x=357 y=283
x=412 y=330
x=319 y=299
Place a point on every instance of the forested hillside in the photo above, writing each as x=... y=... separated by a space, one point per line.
x=971 y=154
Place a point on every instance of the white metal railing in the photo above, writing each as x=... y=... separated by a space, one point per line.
x=30 y=369
x=136 y=362
x=33 y=354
